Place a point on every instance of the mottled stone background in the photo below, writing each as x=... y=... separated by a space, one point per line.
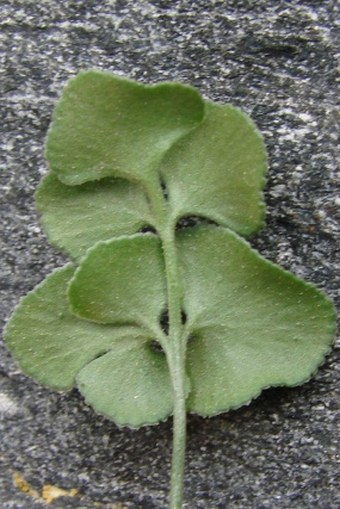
x=276 y=60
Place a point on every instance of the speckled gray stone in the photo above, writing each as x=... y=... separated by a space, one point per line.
x=276 y=60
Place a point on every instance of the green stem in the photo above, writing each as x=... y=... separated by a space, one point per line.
x=179 y=443
x=176 y=345
x=176 y=362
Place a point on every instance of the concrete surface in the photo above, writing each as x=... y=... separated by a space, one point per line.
x=276 y=60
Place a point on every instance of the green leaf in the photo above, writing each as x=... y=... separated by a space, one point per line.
x=50 y=343
x=114 y=367
x=132 y=385
x=76 y=217
x=243 y=312
x=252 y=325
x=121 y=281
x=217 y=171
x=105 y=125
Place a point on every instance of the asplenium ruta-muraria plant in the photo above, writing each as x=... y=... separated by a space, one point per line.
x=150 y=319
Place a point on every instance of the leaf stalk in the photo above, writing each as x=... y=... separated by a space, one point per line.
x=175 y=344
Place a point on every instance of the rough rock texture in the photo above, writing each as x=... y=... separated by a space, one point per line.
x=276 y=60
